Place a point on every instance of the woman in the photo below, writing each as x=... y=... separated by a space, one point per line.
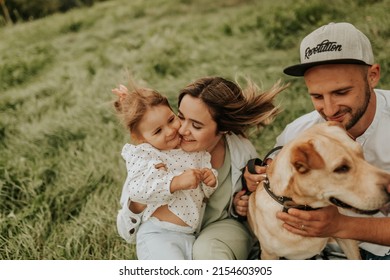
x=215 y=115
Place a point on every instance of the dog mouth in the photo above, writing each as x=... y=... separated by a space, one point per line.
x=344 y=205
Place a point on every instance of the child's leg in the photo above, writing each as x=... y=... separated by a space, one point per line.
x=154 y=242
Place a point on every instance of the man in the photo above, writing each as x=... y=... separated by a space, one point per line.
x=338 y=67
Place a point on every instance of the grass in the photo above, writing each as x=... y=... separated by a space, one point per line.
x=61 y=172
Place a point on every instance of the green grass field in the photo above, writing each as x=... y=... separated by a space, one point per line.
x=61 y=172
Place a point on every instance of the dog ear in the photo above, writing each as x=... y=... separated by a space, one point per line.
x=304 y=157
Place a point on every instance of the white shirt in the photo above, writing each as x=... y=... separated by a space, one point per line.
x=375 y=142
x=146 y=184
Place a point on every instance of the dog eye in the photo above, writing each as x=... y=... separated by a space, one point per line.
x=342 y=169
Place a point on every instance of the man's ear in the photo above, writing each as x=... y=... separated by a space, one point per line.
x=373 y=75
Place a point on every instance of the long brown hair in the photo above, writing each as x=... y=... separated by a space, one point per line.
x=233 y=109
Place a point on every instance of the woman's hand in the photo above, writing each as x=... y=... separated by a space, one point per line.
x=241 y=200
x=208 y=177
x=253 y=180
x=240 y=203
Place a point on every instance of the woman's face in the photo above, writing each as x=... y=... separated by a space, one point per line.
x=198 y=129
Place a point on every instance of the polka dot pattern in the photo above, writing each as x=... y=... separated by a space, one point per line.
x=149 y=185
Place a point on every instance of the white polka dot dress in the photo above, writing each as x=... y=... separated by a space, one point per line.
x=149 y=185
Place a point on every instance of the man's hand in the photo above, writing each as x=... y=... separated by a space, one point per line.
x=324 y=222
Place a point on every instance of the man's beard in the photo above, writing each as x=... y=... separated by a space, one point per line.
x=361 y=110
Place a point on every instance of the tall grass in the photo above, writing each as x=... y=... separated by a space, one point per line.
x=60 y=167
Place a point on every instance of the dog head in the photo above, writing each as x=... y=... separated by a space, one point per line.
x=324 y=166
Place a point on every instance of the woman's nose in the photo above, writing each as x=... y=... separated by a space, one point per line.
x=183 y=129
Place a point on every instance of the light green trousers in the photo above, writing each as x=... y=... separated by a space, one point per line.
x=227 y=239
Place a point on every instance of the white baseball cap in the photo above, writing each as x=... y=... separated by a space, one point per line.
x=334 y=43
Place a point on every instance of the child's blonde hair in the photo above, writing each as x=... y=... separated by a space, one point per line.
x=132 y=105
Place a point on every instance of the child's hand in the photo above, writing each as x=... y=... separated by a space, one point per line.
x=161 y=166
x=189 y=179
x=208 y=177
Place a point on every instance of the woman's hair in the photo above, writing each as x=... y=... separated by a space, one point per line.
x=235 y=110
x=132 y=105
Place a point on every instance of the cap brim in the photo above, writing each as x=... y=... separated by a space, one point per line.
x=299 y=70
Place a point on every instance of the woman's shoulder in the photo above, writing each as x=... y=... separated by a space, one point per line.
x=241 y=148
x=238 y=140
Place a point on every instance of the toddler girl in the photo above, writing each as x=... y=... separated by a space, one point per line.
x=168 y=185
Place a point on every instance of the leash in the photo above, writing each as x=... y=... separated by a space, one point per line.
x=251 y=166
x=256 y=161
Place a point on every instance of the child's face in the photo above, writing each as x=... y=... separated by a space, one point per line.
x=159 y=127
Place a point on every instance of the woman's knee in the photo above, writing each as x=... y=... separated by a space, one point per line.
x=211 y=249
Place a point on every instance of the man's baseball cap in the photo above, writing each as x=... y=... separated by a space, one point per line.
x=334 y=43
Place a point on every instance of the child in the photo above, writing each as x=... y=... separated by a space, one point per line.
x=173 y=184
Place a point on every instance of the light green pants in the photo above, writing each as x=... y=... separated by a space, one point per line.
x=227 y=239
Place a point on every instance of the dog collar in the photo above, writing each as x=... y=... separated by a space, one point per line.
x=285 y=201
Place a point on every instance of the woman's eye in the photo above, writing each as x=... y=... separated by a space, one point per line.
x=196 y=126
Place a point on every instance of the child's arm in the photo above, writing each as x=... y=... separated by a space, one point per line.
x=147 y=181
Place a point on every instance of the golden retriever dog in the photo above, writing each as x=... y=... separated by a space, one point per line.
x=321 y=167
